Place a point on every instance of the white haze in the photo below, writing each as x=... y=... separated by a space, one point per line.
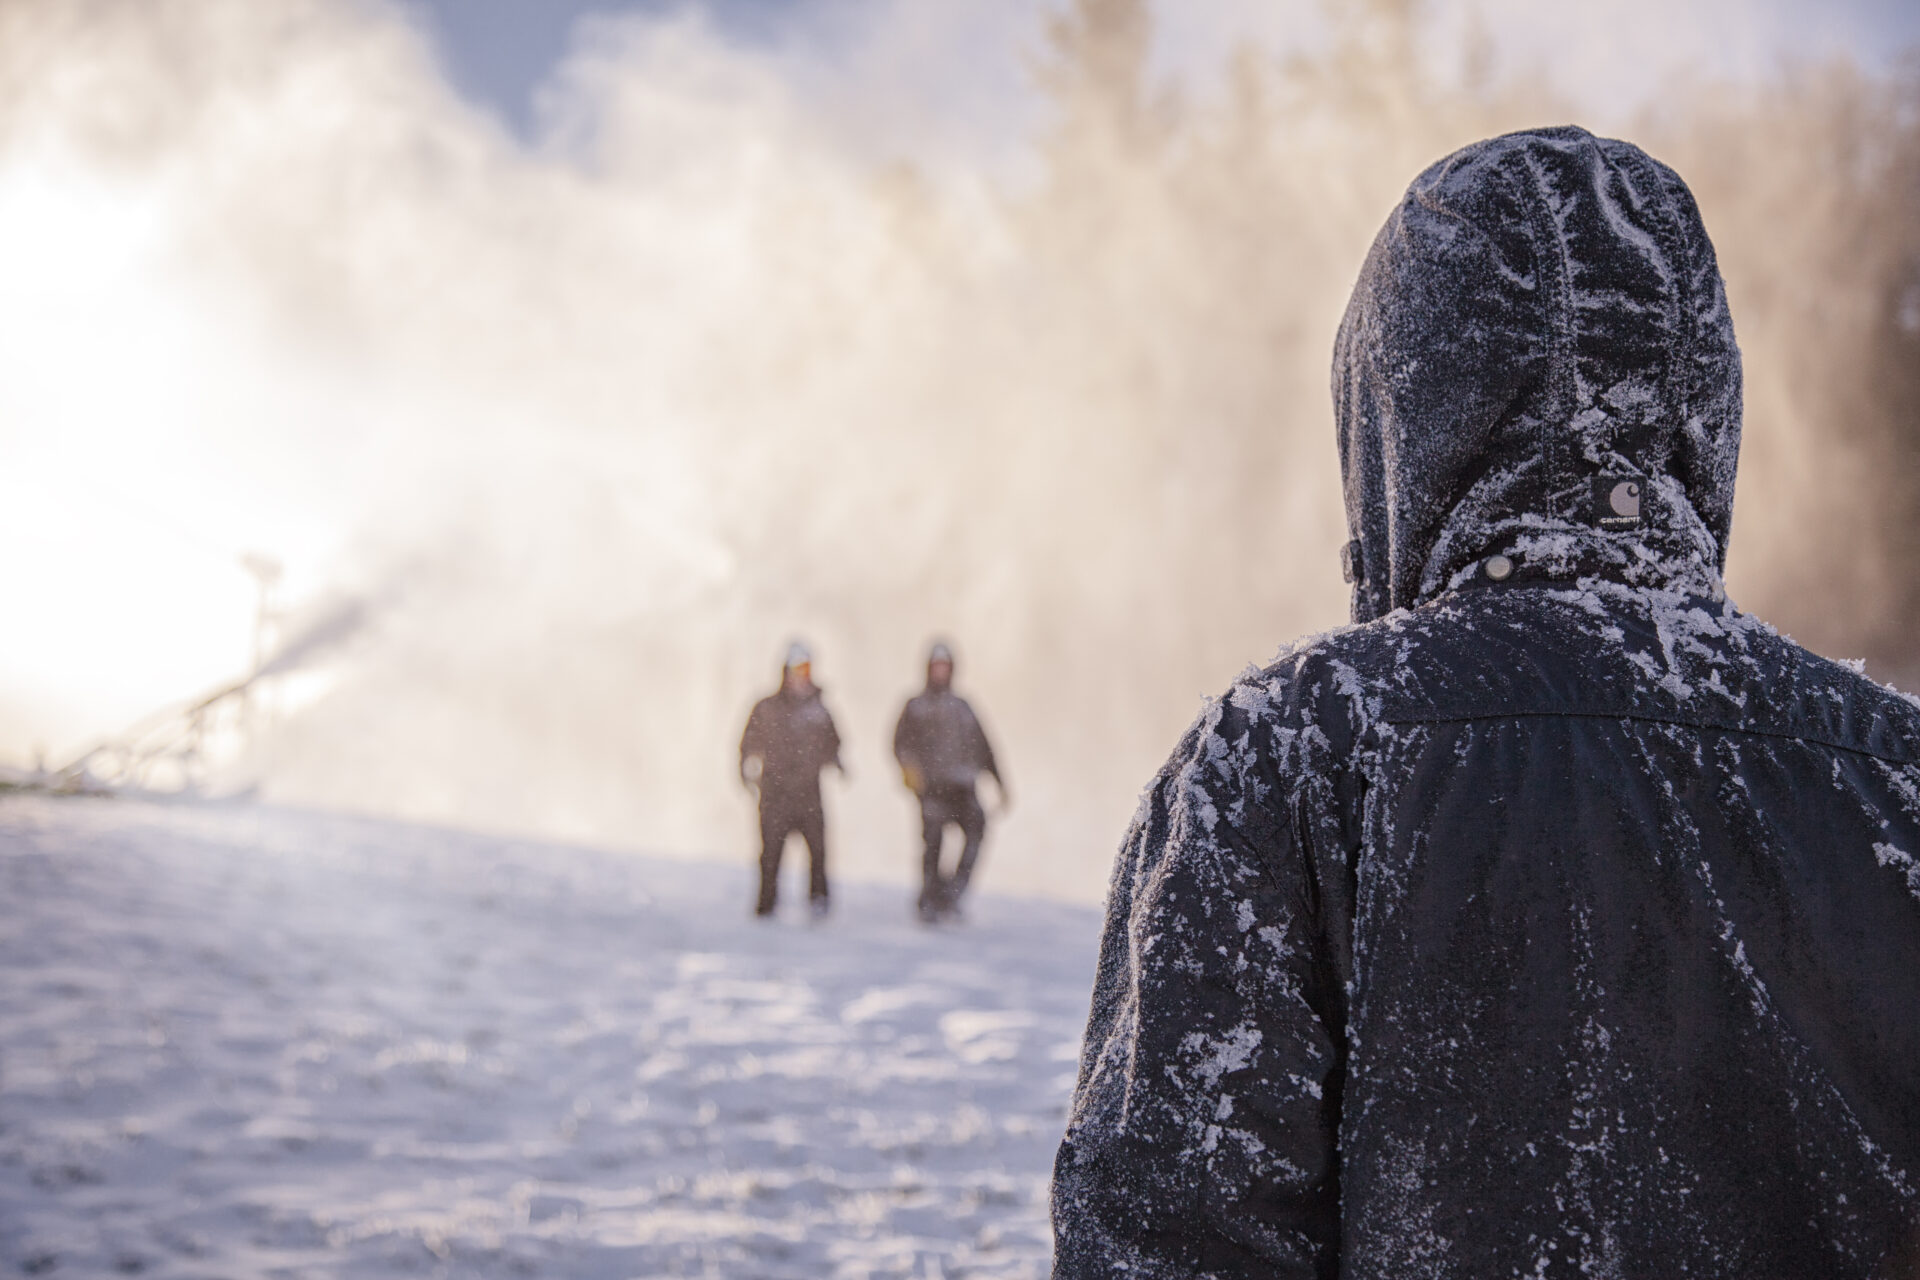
x=575 y=436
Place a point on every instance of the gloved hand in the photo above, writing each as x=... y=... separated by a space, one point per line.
x=912 y=777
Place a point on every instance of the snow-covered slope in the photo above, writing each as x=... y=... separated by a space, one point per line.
x=244 y=1042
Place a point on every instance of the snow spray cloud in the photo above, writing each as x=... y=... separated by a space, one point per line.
x=319 y=631
x=698 y=372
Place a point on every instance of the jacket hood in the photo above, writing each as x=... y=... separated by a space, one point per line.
x=1536 y=378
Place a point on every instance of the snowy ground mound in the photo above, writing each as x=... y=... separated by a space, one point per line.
x=244 y=1042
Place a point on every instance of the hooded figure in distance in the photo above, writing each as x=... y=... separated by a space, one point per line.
x=789 y=739
x=1557 y=918
x=942 y=751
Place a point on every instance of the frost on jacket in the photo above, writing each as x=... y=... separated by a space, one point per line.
x=1557 y=918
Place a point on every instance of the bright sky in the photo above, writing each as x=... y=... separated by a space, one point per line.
x=157 y=427
x=966 y=61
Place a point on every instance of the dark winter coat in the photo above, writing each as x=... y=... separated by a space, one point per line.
x=794 y=738
x=1560 y=923
x=940 y=739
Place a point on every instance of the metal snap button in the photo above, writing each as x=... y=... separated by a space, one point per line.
x=1499 y=568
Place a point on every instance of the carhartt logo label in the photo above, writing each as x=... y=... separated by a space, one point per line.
x=1617 y=501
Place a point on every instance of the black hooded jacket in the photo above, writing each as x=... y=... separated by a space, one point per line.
x=939 y=740
x=1557 y=918
x=793 y=736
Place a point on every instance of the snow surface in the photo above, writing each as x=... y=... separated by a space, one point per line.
x=255 y=1042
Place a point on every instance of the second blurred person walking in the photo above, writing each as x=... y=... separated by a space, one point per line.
x=942 y=752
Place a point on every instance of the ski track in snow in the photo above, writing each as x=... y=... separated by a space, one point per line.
x=251 y=1042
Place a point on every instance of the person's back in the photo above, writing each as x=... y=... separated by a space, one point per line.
x=1559 y=919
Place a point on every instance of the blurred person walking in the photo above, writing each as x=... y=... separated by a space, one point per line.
x=1557 y=918
x=789 y=739
x=942 y=751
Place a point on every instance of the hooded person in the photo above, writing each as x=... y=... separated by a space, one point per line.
x=789 y=739
x=942 y=751
x=1557 y=918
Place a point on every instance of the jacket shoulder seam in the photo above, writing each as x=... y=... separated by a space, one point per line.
x=1825 y=740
